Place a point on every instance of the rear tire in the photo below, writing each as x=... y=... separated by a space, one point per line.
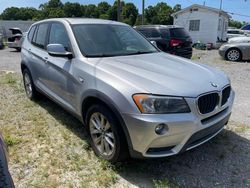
x=105 y=134
x=29 y=86
x=233 y=54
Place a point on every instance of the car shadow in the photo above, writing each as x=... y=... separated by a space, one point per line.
x=222 y=162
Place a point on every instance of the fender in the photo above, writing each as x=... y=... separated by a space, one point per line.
x=109 y=102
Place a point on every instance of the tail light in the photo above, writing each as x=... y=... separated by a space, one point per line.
x=175 y=42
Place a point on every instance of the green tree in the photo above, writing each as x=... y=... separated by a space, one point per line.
x=103 y=7
x=10 y=13
x=235 y=24
x=91 y=11
x=72 y=9
x=112 y=12
x=52 y=9
x=159 y=14
x=129 y=13
x=177 y=8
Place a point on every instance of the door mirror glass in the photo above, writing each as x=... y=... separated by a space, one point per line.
x=58 y=50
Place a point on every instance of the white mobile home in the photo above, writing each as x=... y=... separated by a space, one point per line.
x=205 y=24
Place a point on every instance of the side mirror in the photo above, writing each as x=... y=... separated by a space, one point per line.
x=154 y=43
x=58 y=50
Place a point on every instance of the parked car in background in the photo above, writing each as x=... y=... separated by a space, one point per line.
x=132 y=98
x=235 y=51
x=1 y=41
x=239 y=40
x=5 y=177
x=246 y=27
x=231 y=33
x=171 y=39
x=15 y=40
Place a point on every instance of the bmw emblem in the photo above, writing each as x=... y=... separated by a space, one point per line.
x=214 y=84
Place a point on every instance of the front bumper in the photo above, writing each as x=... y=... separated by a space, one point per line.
x=222 y=52
x=185 y=131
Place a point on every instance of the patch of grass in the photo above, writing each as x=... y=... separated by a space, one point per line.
x=163 y=184
x=47 y=146
x=11 y=140
x=241 y=128
x=9 y=78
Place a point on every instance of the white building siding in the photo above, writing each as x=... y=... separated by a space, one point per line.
x=209 y=21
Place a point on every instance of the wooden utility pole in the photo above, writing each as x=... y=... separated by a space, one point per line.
x=143 y=7
x=220 y=4
x=118 y=10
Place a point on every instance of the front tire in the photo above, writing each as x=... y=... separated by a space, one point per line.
x=233 y=55
x=29 y=86
x=105 y=133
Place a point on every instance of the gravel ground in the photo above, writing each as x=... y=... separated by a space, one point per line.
x=10 y=60
x=222 y=162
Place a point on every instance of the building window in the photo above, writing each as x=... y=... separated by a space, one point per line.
x=194 y=25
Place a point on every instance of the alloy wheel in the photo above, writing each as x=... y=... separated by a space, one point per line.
x=28 y=85
x=233 y=55
x=102 y=134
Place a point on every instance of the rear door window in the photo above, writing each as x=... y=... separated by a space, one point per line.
x=165 y=33
x=39 y=39
x=145 y=32
x=179 y=33
x=155 y=33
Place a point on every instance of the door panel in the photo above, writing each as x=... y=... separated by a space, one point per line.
x=38 y=54
x=61 y=81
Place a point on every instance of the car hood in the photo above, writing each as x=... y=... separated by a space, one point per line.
x=239 y=39
x=162 y=74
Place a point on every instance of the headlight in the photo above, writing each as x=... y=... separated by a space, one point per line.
x=152 y=104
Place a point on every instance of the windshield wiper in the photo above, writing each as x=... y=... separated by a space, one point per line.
x=101 y=55
x=141 y=52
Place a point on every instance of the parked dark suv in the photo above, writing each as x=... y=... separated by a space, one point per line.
x=171 y=39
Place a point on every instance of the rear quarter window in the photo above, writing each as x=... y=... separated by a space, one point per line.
x=39 y=39
x=31 y=33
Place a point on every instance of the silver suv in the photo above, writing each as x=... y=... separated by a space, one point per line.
x=133 y=99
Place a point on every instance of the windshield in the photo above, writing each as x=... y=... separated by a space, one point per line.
x=103 y=40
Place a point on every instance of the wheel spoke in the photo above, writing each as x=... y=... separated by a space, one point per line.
x=97 y=140
x=102 y=145
x=96 y=125
x=96 y=131
x=106 y=146
x=110 y=135
x=109 y=141
x=107 y=126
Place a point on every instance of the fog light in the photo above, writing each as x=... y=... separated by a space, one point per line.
x=161 y=129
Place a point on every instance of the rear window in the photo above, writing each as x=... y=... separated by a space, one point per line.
x=179 y=33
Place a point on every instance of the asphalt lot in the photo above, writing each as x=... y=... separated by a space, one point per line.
x=222 y=162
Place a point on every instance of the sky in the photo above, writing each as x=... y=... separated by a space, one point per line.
x=234 y=6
